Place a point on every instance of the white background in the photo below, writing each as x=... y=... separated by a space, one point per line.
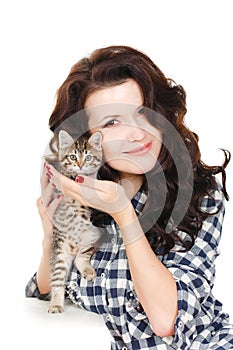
x=191 y=41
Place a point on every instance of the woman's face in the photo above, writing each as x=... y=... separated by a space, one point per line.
x=131 y=144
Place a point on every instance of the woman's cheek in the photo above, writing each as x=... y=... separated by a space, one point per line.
x=111 y=148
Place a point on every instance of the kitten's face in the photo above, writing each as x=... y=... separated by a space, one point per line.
x=83 y=156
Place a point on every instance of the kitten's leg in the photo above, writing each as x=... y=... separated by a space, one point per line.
x=88 y=244
x=60 y=265
x=57 y=300
x=82 y=262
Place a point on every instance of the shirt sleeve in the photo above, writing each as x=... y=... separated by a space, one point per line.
x=194 y=273
x=31 y=289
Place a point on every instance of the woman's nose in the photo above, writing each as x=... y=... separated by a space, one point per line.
x=135 y=133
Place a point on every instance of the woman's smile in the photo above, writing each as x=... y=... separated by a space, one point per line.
x=140 y=151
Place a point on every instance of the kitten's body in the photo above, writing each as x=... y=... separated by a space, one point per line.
x=74 y=238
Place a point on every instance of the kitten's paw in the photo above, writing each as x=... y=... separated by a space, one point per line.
x=55 y=309
x=89 y=273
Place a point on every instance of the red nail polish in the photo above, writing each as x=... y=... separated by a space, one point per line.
x=49 y=170
x=79 y=179
x=59 y=196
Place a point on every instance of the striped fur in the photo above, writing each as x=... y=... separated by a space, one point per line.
x=75 y=238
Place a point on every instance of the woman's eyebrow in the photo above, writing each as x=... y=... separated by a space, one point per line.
x=111 y=116
x=101 y=118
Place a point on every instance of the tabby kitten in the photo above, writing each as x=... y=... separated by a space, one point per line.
x=74 y=238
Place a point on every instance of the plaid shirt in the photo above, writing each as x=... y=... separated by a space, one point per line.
x=200 y=324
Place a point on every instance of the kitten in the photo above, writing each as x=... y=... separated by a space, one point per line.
x=74 y=238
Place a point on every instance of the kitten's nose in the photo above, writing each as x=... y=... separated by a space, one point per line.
x=80 y=164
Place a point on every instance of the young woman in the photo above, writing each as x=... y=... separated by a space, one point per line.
x=161 y=206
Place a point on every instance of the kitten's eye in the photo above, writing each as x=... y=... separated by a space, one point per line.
x=73 y=157
x=88 y=157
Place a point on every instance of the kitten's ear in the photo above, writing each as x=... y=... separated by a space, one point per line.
x=53 y=144
x=65 y=141
x=96 y=140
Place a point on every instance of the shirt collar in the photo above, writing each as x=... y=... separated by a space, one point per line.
x=139 y=200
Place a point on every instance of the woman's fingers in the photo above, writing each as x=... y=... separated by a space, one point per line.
x=44 y=180
x=46 y=201
x=41 y=208
x=93 y=183
x=106 y=196
x=47 y=194
x=49 y=210
x=53 y=176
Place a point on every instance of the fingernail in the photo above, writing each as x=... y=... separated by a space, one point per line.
x=53 y=184
x=46 y=165
x=59 y=196
x=49 y=175
x=79 y=179
x=49 y=171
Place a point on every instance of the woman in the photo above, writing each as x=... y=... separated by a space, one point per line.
x=160 y=205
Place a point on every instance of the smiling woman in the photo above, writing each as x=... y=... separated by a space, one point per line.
x=161 y=208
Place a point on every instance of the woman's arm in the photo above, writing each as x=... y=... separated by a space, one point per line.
x=43 y=272
x=46 y=208
x=154 y=284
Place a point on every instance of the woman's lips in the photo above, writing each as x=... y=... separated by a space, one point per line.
x=140 y=150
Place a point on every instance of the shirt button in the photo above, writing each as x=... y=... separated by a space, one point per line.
x=102 y=276
x=109 y=318
x=124 y=348
x=113 y=240
x=80 y=302
x=73 y=285
x=180 y=324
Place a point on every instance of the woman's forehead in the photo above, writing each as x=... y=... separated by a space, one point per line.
x=128 y=92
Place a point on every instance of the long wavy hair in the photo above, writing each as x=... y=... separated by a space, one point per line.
x=114 y=65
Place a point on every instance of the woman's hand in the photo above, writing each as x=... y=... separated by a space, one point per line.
x=106 y=196
x=47 y=207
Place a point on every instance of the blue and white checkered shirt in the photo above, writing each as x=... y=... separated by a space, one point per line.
x=200 y=324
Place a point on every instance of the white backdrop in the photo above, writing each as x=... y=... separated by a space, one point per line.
x=40 y=41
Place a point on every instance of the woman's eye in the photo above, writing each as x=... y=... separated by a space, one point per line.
x=110 y=123
x=141 y=111
x=73 y=157
x=88 y=157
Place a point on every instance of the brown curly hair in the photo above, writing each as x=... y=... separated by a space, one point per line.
x=114 y=65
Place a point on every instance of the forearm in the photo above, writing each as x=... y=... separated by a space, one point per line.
x=154 y=284
x=43 y=273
